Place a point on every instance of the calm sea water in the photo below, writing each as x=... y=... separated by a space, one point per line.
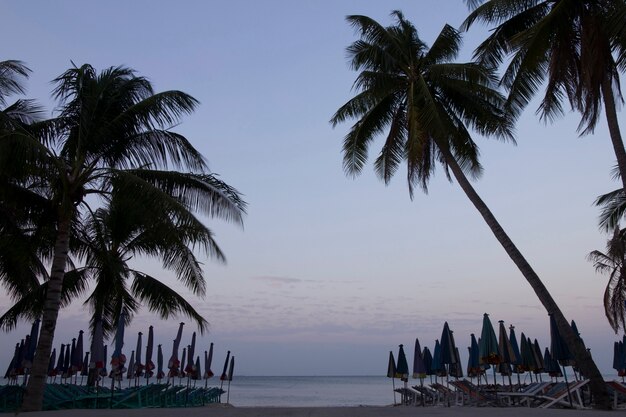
x=310 y=391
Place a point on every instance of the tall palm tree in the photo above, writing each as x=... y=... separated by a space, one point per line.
x=111 y=135
x=576 y=46
x=424 y=103
x=613 y=262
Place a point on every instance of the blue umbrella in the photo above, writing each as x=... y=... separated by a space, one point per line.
x=559 y=351
x=59 y=368
x=550 y=365
x=538 y=358
x=67 y=362
x=12 y=369
x=402 y=369
x=32 y=345
x=118 y=359
x=98 y=361
x=428 y=362
x=448 y=355
x=436 y=366
x=504 y=345
x=516 y=360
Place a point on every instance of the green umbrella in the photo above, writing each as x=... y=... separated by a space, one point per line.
x=488 y=349
x=402 y=370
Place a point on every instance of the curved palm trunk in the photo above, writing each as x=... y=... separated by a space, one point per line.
x=33 y=397
x=583 y=358
x=614 y=132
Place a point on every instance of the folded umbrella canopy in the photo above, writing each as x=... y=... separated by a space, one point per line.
x=181 y=373
x=195 y=375
x=32 y=345
x=191 y=351
x=149 y=349
x=436 y=365
x=419 y=369
x=53 y=358
x=447 y=352
x=12 y=368
x=560 y=352
x=139 y=367
x=174 y=362
x=538 y=358
x=97 y=348
x=516 y=360
x=77 y=354
x=504 y=345
x=391 y=373
x=428 y=362
x=551 y=367
x=103 y=371
x=118 y=359
x=208 y=359
x=67 y=361
x=59 y=368
x=160 y=374
x=402 y=369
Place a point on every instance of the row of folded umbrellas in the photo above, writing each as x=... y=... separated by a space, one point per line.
x=503 y=354
x=72 y=362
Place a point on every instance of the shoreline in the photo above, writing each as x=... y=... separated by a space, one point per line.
x=227 y=410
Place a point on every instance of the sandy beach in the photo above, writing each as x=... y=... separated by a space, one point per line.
x=229 y=411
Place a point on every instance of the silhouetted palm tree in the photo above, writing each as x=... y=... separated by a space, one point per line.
x=613 y=263
x=111 y=135
x=425 y=103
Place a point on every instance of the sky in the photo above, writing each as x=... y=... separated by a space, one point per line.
x=330 y=273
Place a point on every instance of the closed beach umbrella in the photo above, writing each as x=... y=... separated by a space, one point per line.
x=67 y=361
x=402 y=368
x=437 y=367
x=184 y=358
x=59 y=368
x=12 y=368
x=473 y=366
x=551 y=367
x=97 y=348
x=447 y=348
x=103 y=371
x=391 y=366
x=456 y=369
x=419 y=369
x=617 y=360
x=428 y=361
x=191 y=351
x=231 y=368
x=131 y=366
x=77 y=359
x=53 y=358
x=516 y=360
x=196 y=374
x=160 y=374
x=528 y=357
x=174 y=362
x=149 y=350
x=488 y=346
x=208 y=359
x=138 y=369
x=32 y=345
x=559 y=351
x=391 y=373
x=224 y=375
x=118 y=359
x=85 y=369
x=538 y=357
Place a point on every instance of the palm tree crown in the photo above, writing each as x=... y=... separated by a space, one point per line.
x=422 y=100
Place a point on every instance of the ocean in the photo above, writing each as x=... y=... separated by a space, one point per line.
x=309 y=391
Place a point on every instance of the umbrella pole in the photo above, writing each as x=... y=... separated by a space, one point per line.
x=569 y=394
x=393 y=385
x=228 y=393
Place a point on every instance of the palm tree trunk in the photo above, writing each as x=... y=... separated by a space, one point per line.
x=33 y=397
x=583 y=358
x=614 y=132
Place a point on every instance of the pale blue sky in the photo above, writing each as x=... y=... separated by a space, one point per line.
x=330 y=273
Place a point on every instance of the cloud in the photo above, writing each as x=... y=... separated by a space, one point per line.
x=277 y=281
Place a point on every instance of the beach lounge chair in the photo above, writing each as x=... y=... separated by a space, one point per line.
x=447 y=395
x=427 y=395
x=471 y=393
x=525 y=394
x=618 y=391
x=558 y=395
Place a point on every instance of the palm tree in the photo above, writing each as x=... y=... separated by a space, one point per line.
x=613 y=262
x=576 y=46
x=111 y=135
x=425 y=102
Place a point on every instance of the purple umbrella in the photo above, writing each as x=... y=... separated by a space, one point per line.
x=59 y=369
x=208 y=359
x=131 y=367
x=32 y=345
x=419 y=369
